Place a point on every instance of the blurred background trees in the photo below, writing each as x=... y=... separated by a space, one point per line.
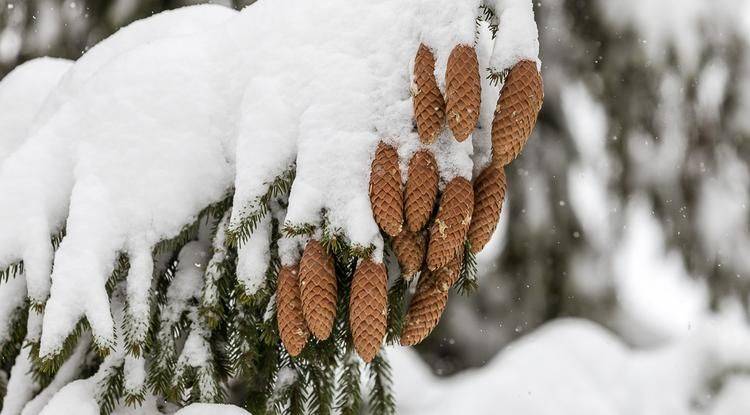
x=630 y=204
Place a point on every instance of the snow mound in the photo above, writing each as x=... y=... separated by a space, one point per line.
x=576 y=367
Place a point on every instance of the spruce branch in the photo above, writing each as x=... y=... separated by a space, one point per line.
x=349 y=393
x=467 y=281
x=11 y=271
x=321 y=378
x=15 y=269
x=487 y=14
x=292 y=230
x=45 y=368
x=396 y=310
x=381 y=400
x=16 y=333
x=252 y=214
x=110 y=388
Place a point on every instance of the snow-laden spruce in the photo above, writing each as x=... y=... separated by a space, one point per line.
x=36 y=180
x=153 y=138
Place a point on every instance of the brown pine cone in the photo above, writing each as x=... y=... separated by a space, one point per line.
x=421 y=190
x=452 y=221
x=409 y=248
x=386 y=196
x=368 y=308
x=515 y=115
x=463 y=91
x=429 y=301
x=489 y=193
x=291 y=322
x=318 y=289
x=429 y=106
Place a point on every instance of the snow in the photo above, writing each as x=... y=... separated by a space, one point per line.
x=22 y=93
x=187 y=281
x=652 y=283
x=181 y=21
x=725 y=191
x=576 y=367
x=215 y=409
x=517 y=35
x=21 y=387
x=253 y=258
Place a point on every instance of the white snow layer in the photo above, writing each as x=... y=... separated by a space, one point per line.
x=22 y=93
x=138 y=140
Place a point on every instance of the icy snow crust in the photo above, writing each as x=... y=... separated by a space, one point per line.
x=139 y=145
x=22 y=94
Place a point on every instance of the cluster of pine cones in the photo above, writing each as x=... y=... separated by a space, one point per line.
x=426 y=242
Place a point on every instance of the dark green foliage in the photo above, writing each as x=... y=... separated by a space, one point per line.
x=349 y=393
x=45 y=368
x=10 y=348
x=110 y=389
x=380 y=400
x=396 y=310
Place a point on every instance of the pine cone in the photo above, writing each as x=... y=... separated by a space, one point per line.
x=386 y=196
x=409 y=248
x=448 y=233
x=489 y=193
x=515 y=115
x=291 y=322
x=368 y=308
x=429 y=106
x=429 y=301
x=463 y=91
x=318 y=289
x=421 y=190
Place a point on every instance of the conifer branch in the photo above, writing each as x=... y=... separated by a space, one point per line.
x=381 y=400
x=349 y=394
x=110 y=388
x=467 y=281
x=487 y=14
x=17 y=332
x=11 y=271
x=396 y=310
x=252 y=214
